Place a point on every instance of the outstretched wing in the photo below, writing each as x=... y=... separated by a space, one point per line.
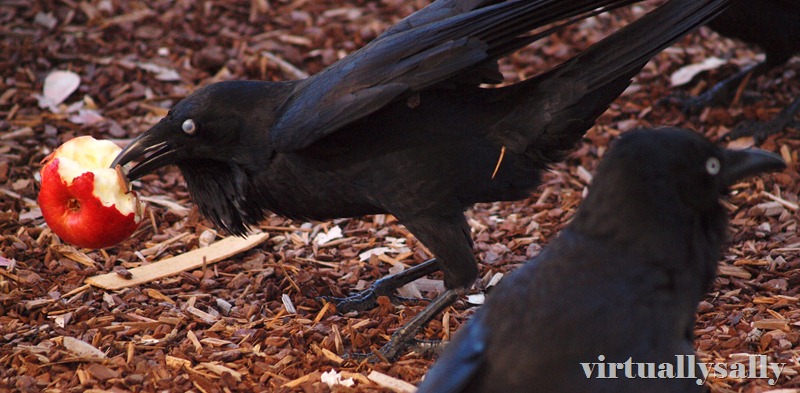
x=439 y=43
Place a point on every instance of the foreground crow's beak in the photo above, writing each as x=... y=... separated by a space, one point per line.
x=152 y=148
x=740 y=164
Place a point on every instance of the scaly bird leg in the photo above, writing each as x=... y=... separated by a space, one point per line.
x=721 y=94
x=404 y=337
x=368 y=298
x=760 y=130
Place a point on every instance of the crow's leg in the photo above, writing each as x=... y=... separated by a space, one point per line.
x=368 y=298
x=448 y=237
x=405 y=336
x=721 y=94
x=429 y=348
x=760 y=130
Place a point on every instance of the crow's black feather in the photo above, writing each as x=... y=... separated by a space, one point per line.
x=621 y=281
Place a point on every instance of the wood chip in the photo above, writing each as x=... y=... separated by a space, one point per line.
x=360 y=378
x=391 y=383
x=73 y=254
x=332 y=356
x=195 y=342
x=216 y=342
x=170 y=204
x=155 y=294
x=584 y=174
x=733 y=271
x=287 y=303
x=789 y=205
x=206 y=317
x=772 y=324
x=299 y=381
x=285 y=66
x=194 y=259
x=176 y=362
x=782 y=390
x=220 y=370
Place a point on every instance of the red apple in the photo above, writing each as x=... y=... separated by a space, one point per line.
x=83 y=200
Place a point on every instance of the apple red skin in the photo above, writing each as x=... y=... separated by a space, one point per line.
x=78 y=217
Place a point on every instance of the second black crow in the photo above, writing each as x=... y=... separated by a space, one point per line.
x=620 y=284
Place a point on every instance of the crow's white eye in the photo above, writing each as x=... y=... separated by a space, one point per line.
x=713 y=166
x=189 y=126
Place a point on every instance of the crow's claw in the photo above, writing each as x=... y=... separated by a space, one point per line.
x=368 y=298
x=760 y=130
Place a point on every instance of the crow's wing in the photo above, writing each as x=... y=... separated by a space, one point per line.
x=424 y=50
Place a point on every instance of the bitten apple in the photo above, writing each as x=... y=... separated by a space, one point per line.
x=83 y=200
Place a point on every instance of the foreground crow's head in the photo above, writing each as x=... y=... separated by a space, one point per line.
x=665 y=175
x=682 y=160
x=218 y=137
x=224 y=122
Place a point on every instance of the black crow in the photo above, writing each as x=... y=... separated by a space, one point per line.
x=773 y=25
x=402 y=126
x=621 y=281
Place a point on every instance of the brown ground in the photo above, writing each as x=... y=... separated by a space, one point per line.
x=225 y=327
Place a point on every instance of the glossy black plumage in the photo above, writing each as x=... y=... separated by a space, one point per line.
x=403 y=127
x=622 y=280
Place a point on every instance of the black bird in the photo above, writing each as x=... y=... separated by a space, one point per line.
x=402 y=126
x=774 y=26
x=621 y=281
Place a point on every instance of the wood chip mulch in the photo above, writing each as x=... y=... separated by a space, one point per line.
x=253 y=322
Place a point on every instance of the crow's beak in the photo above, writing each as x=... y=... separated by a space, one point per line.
x=154 y=150
x=740 y=164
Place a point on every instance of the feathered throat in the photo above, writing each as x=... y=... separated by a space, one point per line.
x=221 y=193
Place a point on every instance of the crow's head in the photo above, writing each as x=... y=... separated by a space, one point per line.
x=218 y=136
x=696 y=170
x=663 y=178
x=225 y=122
x=656 y=195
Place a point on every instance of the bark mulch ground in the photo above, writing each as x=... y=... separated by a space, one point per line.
x=252 y=322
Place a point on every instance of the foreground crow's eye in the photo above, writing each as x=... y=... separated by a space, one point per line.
x=189 y=126
x=712 y=166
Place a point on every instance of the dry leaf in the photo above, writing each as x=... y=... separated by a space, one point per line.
x=685 y=74
x=86 y=117
x=81 y=348
x=58 y=86
x=165 y=74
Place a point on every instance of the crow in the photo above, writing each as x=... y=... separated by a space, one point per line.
x=621 y=281
x=404 y=126
x=774 y=26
